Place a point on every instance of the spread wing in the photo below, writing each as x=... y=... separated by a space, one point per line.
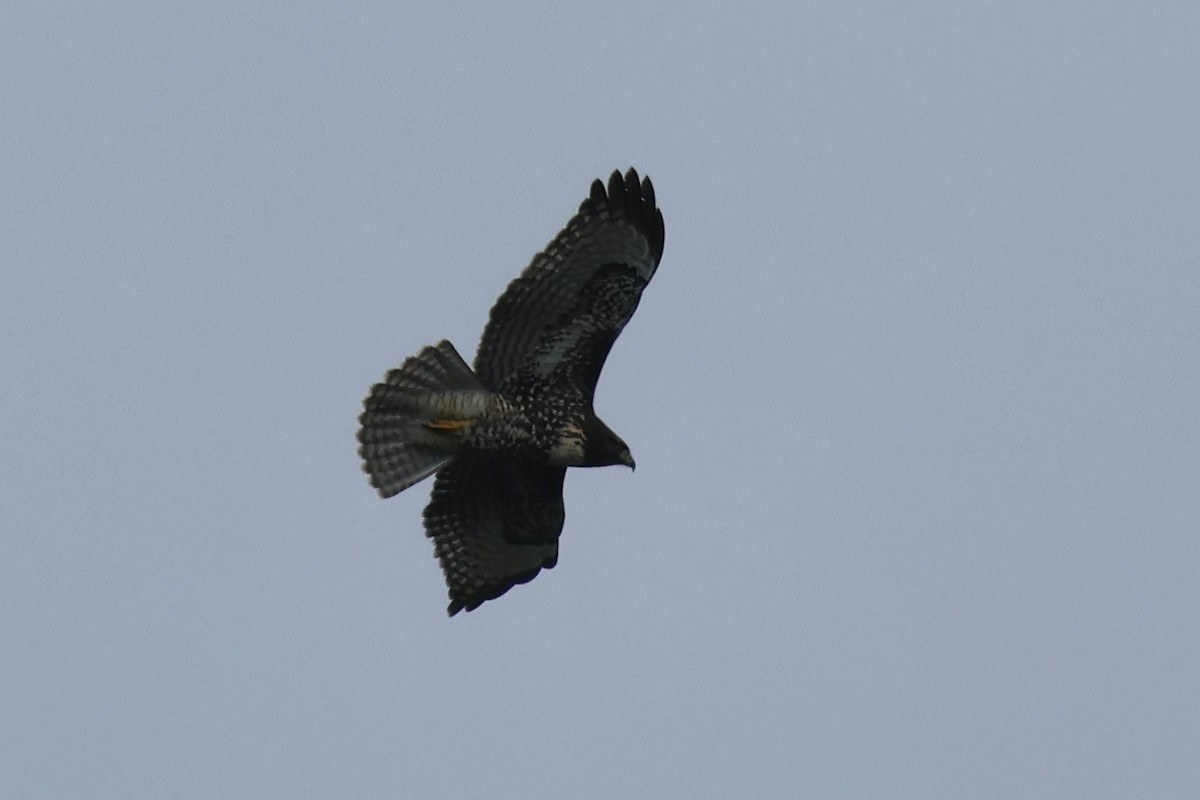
x=546 y=311
x=494 y=523
x=570 y=355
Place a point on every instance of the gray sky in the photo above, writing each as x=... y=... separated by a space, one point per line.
x=914 y=399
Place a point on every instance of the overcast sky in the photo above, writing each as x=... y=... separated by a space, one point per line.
x=914 y=396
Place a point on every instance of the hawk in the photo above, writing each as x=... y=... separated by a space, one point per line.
x=501 y=436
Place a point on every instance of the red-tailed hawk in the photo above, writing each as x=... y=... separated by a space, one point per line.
x=501 y=437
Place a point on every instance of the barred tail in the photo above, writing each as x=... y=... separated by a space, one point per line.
x=397 y=445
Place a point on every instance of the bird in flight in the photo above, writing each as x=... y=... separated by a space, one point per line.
x=501 y=436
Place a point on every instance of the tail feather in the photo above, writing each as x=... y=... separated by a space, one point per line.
x=434 y=369
x=396 y=451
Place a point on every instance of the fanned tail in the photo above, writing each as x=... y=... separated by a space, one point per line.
x=399 y=441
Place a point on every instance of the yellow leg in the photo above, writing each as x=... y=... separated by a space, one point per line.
x=447 y=424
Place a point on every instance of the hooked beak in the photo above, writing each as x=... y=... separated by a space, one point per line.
x=627 y=460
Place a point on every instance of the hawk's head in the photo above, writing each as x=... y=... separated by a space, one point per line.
x=602 y=447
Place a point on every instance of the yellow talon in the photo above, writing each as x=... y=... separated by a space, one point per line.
x=447 y=424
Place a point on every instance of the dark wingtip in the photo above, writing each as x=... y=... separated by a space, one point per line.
x=633 y=184
x=616 y=185
x=647 y=191
x=633 y=196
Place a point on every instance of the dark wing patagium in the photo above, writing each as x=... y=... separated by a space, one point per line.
x=494 y=525
x=617 y=234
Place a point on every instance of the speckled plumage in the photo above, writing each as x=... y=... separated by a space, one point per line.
x=501 y=436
